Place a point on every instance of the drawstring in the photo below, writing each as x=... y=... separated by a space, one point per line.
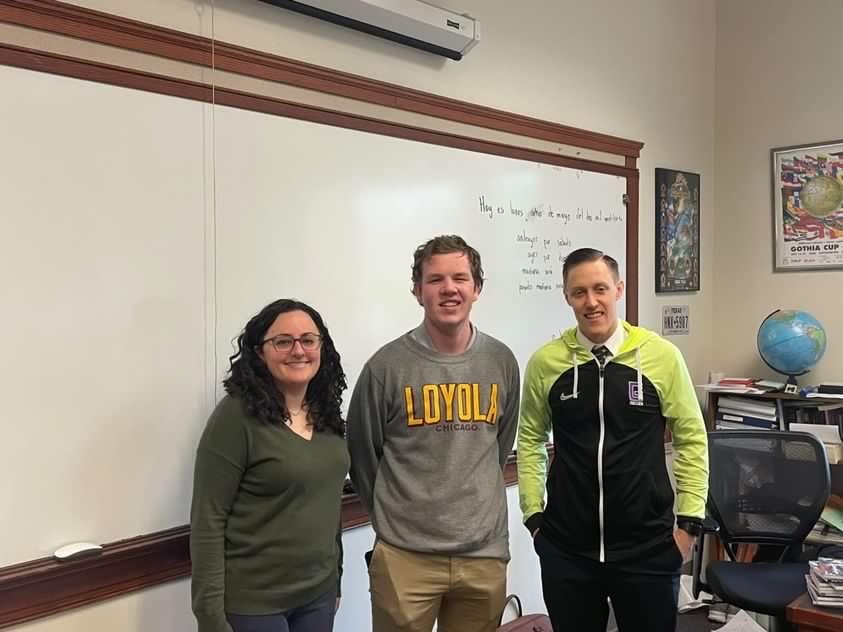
x=576 y=371
x=640 y=397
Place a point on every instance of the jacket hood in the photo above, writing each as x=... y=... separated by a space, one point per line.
x=636 y=337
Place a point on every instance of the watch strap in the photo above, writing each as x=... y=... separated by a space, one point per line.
x=693 y=526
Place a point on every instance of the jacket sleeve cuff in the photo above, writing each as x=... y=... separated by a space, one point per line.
x=695 y=519
x=534 y=522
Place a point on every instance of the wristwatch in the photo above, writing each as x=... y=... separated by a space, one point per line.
x=692 y=526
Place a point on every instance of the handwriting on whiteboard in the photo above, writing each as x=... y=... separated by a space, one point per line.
x=544 y=233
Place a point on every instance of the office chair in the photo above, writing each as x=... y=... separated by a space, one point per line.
x=765 y=487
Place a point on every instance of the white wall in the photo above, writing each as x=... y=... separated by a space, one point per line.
x=775 y=87
x=641 y=69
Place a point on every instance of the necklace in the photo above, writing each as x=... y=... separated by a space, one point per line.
x=295 y=413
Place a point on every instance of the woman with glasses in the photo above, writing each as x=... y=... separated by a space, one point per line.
x=265 y=538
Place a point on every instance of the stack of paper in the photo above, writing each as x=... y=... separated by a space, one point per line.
x=825 y=582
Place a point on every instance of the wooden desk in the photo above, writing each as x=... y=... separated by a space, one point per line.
x=806 y=617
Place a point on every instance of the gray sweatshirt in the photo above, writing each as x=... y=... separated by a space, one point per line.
x=429 y=434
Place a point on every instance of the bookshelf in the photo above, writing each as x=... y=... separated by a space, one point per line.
x=792 y=408
x=826 y=413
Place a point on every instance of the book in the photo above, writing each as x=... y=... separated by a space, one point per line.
x=770 y=385
x=749 y=405
x=828 y=569
x=737 y=411
x=744 y=381
x=820 y=600
x=825 y=395
x=734 y=425
x=825 y=589
x=748 y=421
x=737 y=389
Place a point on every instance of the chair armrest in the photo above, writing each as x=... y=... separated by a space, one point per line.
x=709 y=527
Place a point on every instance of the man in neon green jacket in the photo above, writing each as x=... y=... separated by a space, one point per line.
x=608 y=390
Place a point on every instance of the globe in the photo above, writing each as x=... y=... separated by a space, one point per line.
x=791 y=342
x=821 y=195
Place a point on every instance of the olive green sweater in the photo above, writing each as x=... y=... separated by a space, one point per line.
x=265 y=518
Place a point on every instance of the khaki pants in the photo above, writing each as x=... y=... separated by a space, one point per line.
x=412 y=590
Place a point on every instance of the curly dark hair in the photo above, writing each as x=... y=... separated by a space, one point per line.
x=251 y=382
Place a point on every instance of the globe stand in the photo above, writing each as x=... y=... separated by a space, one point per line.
x=791 y=386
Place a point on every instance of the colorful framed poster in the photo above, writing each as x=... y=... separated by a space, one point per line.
x=808 y=206
x=677 y=231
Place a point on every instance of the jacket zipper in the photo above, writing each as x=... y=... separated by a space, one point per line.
x=600 y=465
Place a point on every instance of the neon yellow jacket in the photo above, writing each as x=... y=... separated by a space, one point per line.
x=609 y=495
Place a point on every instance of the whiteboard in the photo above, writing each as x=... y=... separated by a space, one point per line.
x=332 y=217
x=102 y=269
x=141 y=231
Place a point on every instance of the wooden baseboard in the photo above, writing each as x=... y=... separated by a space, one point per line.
x=42 y=587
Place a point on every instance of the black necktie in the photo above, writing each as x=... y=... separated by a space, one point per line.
x=601 y=353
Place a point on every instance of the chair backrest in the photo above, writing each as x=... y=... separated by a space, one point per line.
x=766 y=486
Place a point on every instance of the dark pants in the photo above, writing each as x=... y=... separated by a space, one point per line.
x=576 y=589
x=316 y=616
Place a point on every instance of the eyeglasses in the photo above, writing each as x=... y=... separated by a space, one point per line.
x=285 y=344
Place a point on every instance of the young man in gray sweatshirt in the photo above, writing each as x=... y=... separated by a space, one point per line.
x=430 y=425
